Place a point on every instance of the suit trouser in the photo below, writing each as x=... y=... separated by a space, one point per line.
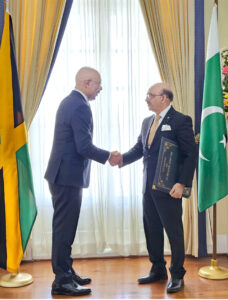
x=67 y=204
x=161 y=211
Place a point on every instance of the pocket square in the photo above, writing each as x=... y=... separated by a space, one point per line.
x=165 y=127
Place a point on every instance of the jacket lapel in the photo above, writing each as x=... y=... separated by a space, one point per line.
x=168 y=116
x=150 y=122
x=166 y=120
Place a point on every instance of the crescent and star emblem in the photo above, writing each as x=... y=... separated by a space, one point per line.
x=205 y=113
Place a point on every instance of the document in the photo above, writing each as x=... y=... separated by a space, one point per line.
x=166 y=174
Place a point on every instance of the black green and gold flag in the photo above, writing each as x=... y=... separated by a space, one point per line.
x=17 y=202
x=1 y=18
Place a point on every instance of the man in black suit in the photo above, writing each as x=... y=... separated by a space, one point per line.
x=162 y=210
x=68 y=172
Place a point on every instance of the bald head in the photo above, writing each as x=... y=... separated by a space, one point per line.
x=159 y=97
x=88 y=81
x=164 y=88
x=85 y=73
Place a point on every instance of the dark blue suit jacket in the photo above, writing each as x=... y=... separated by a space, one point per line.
x=73 y=149
x=180 y=132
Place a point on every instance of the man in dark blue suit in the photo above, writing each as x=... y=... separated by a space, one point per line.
x=68 y=172
x=162 y=210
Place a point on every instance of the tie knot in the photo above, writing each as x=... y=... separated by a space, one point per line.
x=157 y=118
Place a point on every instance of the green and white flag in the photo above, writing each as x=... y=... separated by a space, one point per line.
x=213 y=172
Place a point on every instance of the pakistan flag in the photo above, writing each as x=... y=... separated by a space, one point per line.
x=213 y=172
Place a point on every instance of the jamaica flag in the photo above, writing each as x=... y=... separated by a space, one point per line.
x=17 y=202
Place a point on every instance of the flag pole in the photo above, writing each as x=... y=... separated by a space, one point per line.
x=214 y=254
x=214 y=271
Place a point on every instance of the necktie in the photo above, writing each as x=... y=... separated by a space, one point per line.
x=153 y=129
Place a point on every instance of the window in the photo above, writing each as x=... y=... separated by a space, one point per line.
x=111 y=37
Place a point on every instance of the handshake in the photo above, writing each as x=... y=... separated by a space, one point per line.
x=115 y=159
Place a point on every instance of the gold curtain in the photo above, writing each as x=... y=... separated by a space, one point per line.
x=170 y=26
x=36 y=26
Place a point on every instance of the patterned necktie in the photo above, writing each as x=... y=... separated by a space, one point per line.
x=153 y=129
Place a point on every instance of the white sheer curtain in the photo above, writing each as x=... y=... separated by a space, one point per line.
x=111 y=37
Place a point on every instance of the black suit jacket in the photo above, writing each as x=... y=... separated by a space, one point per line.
x=73 y=149
x=180 y=131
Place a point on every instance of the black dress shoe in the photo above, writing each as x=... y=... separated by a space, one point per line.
x=152 y=277
x=175 y=285
x=81 y=279
x=69 y=289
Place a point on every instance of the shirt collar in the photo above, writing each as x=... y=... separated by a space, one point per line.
x=84 y=96
x=164 y=112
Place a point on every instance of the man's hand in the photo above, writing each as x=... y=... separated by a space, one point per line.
x=177 y=190
x=115 y=159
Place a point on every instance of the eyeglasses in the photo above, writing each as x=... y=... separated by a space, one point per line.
x=149 y=95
